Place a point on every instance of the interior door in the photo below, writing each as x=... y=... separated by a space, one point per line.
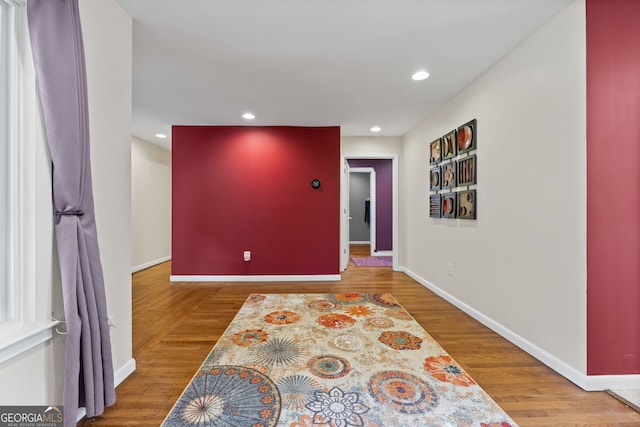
x=344 y=249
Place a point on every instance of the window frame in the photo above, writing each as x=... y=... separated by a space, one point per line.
x=6 y=296
x=30 y=239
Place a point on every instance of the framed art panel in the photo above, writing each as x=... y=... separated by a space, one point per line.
x=434 y=206
x=466 y=137
x=467 y=170
x=448 y=145
x=435 y=179
x=448 y=175
x=435 y=153
x=467 y=204
x=449 y=205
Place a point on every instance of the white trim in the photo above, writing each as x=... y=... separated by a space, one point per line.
x=15 y=2
x=345 y=216
x=24 y=339
x=395 y=229
x=150 y=264
x=372 y=202
x=586 y=382
x=358 y=242
x=612 y=382
x=125 y=370
x=30 y=212
x=119 y=376
x=382 y=253
x=258 y=278
x=7 y=121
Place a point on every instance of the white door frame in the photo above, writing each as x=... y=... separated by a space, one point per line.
x=344 y=214
x=344 y=208
x=372 y=204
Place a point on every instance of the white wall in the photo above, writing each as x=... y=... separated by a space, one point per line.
x=371 y=145
x=107 y=31
x=35 y=377
x=522 y=264
x=150 y=204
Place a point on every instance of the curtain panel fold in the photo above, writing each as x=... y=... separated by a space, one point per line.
x=58 y=52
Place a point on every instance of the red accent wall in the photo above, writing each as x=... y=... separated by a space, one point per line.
x=613 y=187
x=249 y=188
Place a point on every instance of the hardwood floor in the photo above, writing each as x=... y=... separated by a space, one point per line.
x=175 y=325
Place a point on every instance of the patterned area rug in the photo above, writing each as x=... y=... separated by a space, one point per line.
x=337 y=360
x=372 y=261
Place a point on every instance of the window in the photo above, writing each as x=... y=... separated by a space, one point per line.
x=26 y=258
x=5 y=162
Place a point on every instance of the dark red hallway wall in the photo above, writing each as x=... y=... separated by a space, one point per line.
x=248 y=188
x=613 y=187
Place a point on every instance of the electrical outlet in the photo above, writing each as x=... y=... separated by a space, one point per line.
x=450 y=268
x=247 y=255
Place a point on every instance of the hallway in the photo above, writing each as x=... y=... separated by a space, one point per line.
x=175 y=325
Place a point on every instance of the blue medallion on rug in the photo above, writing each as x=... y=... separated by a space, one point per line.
x=228 y=396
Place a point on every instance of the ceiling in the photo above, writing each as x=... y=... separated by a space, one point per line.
x=344 y=63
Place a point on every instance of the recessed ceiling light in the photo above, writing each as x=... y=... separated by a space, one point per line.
x=376 y=129
x=248 y=116
x=161 y=135
x=420 y=75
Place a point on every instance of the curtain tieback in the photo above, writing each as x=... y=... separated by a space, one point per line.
x=78 y=212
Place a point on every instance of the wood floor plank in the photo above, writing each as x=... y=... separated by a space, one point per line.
x=175 y=325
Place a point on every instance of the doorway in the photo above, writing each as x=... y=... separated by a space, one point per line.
x=386 y=244
x=362 y=207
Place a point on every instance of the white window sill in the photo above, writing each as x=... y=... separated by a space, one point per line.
x=18 y=339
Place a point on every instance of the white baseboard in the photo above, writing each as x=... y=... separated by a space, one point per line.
x=127 y=369
x=359 y=242
x=612 y=382
x=382 y=253
x=259 y=278
x=118 y=376
x=586 y=382
x=150 y=263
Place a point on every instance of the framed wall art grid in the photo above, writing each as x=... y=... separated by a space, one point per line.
x=453 y=170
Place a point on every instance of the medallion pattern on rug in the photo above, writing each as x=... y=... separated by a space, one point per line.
x=336 y=360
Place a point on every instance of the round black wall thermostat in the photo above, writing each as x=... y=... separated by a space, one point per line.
x=315 y=183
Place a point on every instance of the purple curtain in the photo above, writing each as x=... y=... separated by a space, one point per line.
x=58 y=52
